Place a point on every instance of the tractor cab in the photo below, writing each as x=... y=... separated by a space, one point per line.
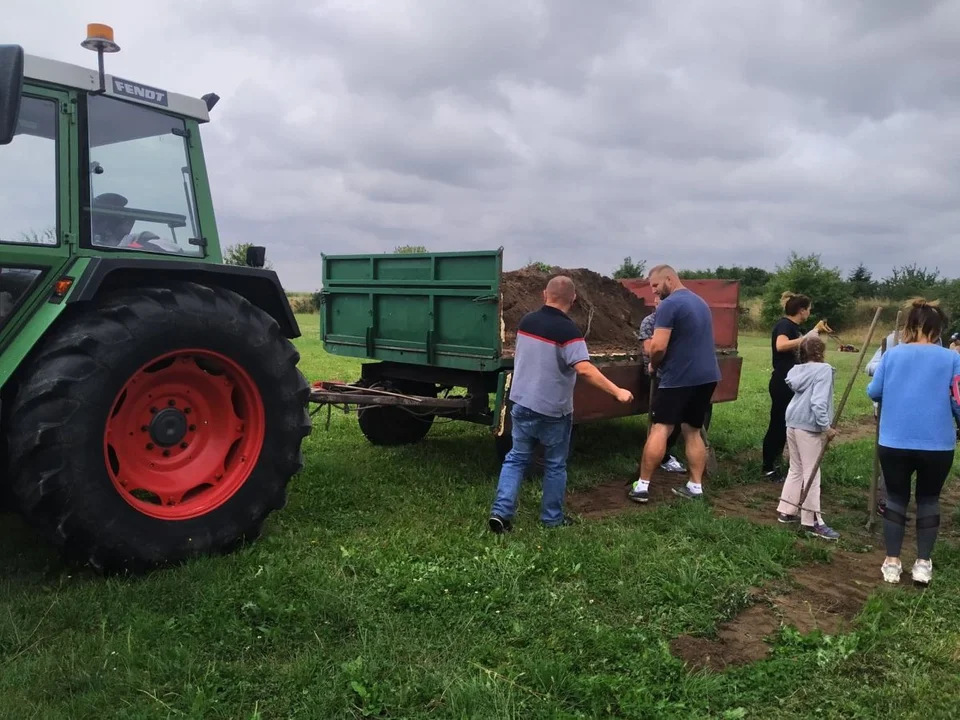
x=165 y=384
x=133 y=152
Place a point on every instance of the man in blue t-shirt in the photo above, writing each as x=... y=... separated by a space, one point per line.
x=682 y=352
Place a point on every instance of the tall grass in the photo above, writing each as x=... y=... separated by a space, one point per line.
x=751 y=319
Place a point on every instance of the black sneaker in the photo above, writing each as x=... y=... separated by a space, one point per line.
x=499 y=525
x=566 y=522
x=774 y=476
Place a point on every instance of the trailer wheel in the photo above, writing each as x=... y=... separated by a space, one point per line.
x=156 y=425
x=391 y=425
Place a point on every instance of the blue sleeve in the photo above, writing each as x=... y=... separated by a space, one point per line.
x=666 y=314
x=953 y=401
x=875 y=388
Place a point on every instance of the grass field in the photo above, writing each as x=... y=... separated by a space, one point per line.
x=379 y=592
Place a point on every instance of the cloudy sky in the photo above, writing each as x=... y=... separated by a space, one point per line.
x=693 y=132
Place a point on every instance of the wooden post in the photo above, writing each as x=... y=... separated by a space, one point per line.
x=843 y=401
x=875 y=476
x=875 y=479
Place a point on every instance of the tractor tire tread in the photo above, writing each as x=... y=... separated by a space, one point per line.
x=52 y=481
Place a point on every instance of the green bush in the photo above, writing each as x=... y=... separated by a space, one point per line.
x=807 y=275
x=949 y=297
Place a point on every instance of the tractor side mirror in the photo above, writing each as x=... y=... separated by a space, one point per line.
x=11 y=88
x=256 y=256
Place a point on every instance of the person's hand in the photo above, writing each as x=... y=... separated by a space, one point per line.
x=832 y=433
x=624 y=396
x=822 y=327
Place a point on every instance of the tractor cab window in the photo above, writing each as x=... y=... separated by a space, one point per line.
x=28 y=176
x=140 y=183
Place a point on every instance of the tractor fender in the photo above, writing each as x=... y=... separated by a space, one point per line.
x=260 y=287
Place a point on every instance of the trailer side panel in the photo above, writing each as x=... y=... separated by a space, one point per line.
x=435 y=309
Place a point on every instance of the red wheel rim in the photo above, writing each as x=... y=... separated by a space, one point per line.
x=184 y=434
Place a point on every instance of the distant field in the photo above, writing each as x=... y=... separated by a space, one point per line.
x=378 y=592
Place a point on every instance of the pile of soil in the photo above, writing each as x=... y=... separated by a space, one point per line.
x=606 y=312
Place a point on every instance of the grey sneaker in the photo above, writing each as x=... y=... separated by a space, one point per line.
x=639 y=496
x=685 y=492
x=784 y=518
x=821 y=530
x=672 y=465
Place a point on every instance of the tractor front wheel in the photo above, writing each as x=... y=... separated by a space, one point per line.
x=157 y=425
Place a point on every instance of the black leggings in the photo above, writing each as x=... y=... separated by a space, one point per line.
x=932 y=468
x=776 y=438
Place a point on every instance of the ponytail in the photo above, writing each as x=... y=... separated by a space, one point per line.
x=925 y=318
x=793 y=303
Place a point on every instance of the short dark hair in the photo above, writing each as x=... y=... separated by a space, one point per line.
x=793 y=303
x=925 y=318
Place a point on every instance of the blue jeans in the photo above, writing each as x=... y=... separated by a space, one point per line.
x=554 y=435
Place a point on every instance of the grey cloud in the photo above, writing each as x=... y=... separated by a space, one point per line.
x=578 y=133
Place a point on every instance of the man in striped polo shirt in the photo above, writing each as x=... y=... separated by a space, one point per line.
x=550 y=355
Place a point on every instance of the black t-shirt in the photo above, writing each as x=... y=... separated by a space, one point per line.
x=783 y=361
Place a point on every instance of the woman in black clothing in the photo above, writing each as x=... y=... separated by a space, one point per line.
x=785 y=342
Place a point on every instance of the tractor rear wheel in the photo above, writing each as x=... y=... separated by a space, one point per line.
x=156 y=425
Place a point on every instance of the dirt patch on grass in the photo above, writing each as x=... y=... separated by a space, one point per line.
x=740 y=642
x=821 y=596
x=824 y=596
x=606 y=312
x=856 y=428
x=817 y=596
x=610 y=498
x=756 y=502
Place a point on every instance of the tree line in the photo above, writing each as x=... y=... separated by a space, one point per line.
x=834 y=293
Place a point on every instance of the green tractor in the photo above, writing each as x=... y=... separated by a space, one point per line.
x=151 y=408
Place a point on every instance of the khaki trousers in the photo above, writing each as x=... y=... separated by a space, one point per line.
x=804 y=448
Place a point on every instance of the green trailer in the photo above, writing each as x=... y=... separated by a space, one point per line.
x=432 y=326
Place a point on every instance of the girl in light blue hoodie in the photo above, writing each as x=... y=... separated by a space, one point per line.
x=809 y=417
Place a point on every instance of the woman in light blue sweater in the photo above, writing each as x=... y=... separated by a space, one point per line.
x=917 y=432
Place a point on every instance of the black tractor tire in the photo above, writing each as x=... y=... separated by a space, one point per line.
x=392 y=425
x=69 y=392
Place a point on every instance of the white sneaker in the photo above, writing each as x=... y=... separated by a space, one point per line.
x=672 y=465
x=891 y=571
x=922 y=571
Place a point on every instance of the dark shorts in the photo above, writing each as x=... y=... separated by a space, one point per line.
x=682 y=405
